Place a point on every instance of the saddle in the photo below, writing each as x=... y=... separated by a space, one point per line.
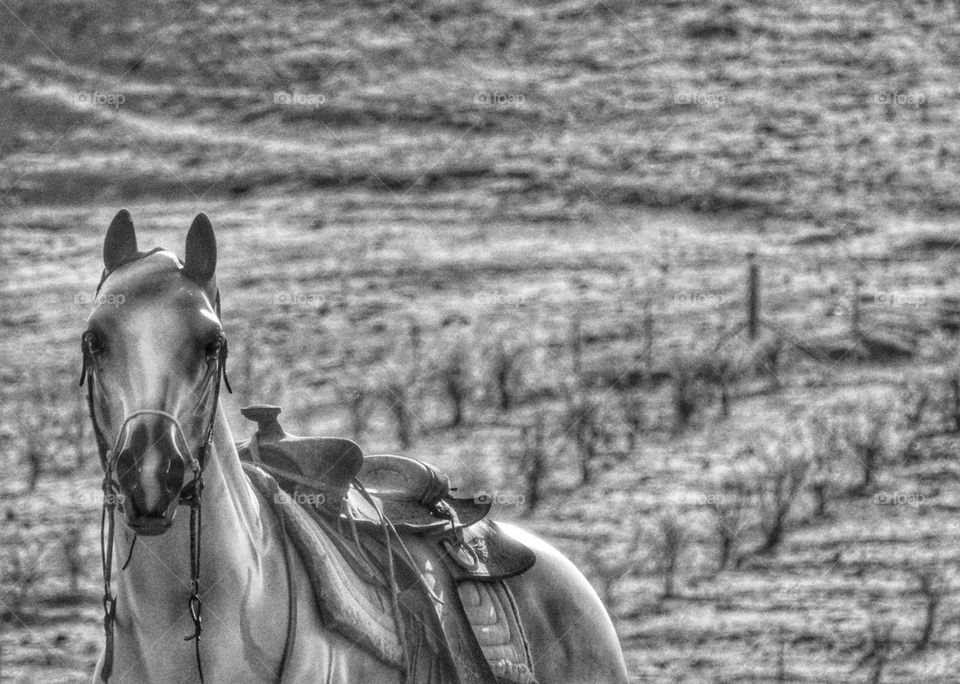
x=447 y=559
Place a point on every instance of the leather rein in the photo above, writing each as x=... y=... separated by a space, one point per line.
x=189 y=495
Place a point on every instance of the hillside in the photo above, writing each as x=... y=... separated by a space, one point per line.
x=392 y=183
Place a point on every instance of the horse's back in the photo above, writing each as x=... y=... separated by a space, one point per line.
x=571 y=636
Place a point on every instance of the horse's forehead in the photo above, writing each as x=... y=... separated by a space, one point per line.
x=155 y=280
x=150 y=272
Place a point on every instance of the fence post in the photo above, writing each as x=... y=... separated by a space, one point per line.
x=753 y=295
x=576 y=345
x=648 y=335
x=855 y=309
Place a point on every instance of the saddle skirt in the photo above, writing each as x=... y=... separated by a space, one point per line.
x=412 y=575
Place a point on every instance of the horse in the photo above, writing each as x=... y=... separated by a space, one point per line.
x=154 y=353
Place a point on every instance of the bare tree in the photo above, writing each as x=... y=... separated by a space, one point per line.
x=826 y=445
x=866 y=435
x=394 y=388
x=878 y=650
x=685 y=397
x=20 y=569
x=670 y=543
x=455 y=374
x=932 y=587
x=581 y=422
x=612 y=563
x=632 y=408
x=783 y=479
x=576 y=345
x=73 y=558
x=914 y=401
x=729 y=506
x=533 y=459
x=355 y=396
x=33 y=420
x=954 y=383
x=505 y=372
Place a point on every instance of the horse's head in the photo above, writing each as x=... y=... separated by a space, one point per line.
x=154 y=351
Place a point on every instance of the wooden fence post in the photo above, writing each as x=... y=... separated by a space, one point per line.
x=855 y=309
x=576 y=345
x=648 y=335
x=753 y=296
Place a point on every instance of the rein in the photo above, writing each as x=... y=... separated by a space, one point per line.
x=190 y=495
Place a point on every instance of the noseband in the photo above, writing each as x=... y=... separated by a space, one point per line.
x=189 y=495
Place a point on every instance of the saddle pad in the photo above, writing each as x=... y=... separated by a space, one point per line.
x=493 y=614
x=359 y=610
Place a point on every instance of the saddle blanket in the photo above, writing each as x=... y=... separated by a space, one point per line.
x=354 y=599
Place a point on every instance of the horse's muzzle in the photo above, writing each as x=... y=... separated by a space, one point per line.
x=150 y=469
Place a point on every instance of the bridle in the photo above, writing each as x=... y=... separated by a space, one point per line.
x=188 y=495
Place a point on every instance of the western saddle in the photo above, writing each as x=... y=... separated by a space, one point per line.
x=362 y=501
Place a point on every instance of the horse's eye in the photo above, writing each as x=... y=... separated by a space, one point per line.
x=212 y=347
x=92 y=342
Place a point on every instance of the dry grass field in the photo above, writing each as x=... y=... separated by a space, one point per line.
x=555 y=201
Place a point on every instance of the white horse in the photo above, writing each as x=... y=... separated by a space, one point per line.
x=153 y=351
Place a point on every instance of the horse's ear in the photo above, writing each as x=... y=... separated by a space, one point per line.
x=120 y=245
x=200 y=260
